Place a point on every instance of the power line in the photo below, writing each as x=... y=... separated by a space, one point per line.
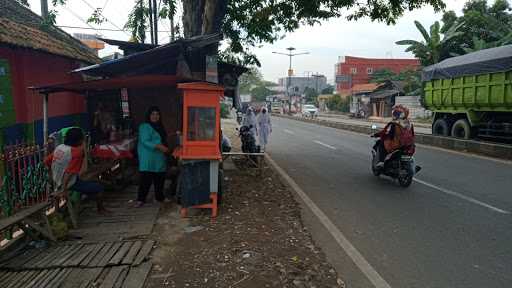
x=113 y=24
x=102 y=29
x=81 y=19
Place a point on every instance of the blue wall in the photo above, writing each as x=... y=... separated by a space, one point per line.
x=20 y=131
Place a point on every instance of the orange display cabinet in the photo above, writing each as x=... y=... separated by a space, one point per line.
x=200 y=137
x=201 y=121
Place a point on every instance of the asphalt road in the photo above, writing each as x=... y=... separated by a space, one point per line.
x=342 y=119
x=451 y=228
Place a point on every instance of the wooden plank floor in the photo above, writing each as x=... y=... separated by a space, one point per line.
x=113 y=251
x=125 y=222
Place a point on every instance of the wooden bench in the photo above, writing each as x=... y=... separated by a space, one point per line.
x=28 y=219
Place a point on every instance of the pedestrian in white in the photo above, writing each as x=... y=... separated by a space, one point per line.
x=264 y=127
x=250 y=121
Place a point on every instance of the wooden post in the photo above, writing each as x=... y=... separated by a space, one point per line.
x=45 y=118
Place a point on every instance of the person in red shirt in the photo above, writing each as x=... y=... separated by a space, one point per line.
x=67 y=163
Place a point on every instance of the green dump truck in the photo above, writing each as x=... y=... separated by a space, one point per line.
x=471 y=95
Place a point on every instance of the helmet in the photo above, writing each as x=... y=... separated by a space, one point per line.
x=400 y=112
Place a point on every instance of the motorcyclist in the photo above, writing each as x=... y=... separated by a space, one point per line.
x=391 y=137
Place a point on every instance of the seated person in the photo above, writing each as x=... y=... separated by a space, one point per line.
x=67 y=163
x=389 y=136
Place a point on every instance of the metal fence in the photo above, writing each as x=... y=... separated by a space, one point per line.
x=25 y=178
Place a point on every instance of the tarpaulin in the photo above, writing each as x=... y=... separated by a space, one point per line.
x=481 y=62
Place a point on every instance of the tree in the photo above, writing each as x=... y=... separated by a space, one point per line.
x=260 y=93
x=430 y=50
x=328 y=90
x=248 y=23
x=338 y=103
x=484 y=26
x=250 y=80
x=310 y=94
x=382 y=75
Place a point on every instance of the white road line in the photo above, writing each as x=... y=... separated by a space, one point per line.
x=467 y=198
x=358 y=259
x=289 y=131
x=325 y=145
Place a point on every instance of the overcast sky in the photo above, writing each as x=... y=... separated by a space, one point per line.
x=325 y=42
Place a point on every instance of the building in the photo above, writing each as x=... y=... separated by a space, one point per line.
x=90 y=40
x=360 y=99
x=383 y=98
x=352 y=71
x=298 y=84
x=30 y=56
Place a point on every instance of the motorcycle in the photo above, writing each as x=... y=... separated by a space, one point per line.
x=398 y=164
x=248 y=140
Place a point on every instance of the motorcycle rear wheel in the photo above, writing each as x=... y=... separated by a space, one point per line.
x=405 y=181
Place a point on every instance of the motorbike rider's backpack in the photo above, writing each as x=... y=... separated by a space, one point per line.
x=407 y=140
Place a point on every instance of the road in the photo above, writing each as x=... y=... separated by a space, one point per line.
x=423 y=129
x=451 y=228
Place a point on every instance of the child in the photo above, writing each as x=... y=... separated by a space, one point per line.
x=67 y=162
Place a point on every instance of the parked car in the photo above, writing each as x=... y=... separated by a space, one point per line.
x=309 y=110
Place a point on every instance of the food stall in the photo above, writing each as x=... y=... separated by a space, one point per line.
x=187 y=84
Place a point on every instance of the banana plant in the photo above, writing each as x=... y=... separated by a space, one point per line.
x=434 y=42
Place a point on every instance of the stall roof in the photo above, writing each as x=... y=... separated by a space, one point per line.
x=141 y=81
x=384 y=94
x=484 y=61
x=146 y=62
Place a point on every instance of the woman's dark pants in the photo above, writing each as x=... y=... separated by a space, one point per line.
x=151 y=178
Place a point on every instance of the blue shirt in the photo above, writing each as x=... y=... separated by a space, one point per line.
x=150 y=158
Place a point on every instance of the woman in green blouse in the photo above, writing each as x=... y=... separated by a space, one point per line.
x=152 y=149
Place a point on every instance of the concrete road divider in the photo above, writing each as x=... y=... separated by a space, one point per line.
x=495 y=150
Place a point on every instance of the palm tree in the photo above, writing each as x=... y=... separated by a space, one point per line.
x=430 y=50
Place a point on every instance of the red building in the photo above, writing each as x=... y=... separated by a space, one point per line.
x=31 y=55
x=351 y=71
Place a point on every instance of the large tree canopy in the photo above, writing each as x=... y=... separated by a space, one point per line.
x=248 y=23
x=480 y=26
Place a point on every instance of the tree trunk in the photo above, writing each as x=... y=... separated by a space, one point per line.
x=201 y=17
x=214 y=12
x=193 y=17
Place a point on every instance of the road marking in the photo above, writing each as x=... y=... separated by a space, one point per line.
x=467 y=198
x=325 y=145
x=289 y=131
x=358 y=259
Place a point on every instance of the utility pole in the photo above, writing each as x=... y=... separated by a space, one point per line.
x=290 y=72
x=44 y=9
x=151 y=27
x=155 y=19
x=173 y=36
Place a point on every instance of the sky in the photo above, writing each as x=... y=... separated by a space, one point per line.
x=325 y=42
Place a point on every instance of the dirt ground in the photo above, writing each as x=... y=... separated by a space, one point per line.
x=258 y=239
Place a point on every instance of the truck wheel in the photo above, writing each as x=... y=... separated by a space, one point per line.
x=440 y=128
x=461 y=129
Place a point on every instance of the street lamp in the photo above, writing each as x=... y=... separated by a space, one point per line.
x=290 y=54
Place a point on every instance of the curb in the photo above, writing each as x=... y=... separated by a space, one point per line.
x=357 y=258
x=494 y=150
